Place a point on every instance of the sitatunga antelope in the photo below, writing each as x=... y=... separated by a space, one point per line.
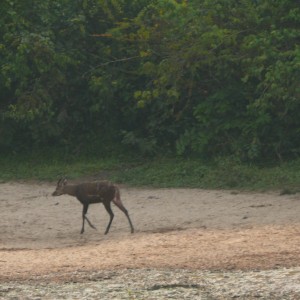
x=93 y=192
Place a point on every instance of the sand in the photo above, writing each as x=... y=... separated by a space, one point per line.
x=174 y=228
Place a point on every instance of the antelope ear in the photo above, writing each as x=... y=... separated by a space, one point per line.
x=64 y=181
x=59 y=181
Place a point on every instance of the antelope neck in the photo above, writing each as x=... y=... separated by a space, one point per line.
x=70 y=190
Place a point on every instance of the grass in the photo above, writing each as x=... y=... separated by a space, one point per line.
x=31 y=167
x=217 y=174
x=221 y=173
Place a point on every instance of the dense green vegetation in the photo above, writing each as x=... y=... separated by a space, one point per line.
x=195 y=80
x=202 y=77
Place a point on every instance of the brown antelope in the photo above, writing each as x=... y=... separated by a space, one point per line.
x=93 y=192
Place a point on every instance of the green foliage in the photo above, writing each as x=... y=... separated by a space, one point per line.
x=226 y=76
x=40 y=165
x=163 y=172
x=220 y=173
x=205 y=78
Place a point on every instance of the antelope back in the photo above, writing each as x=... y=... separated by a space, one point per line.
x=104 y=189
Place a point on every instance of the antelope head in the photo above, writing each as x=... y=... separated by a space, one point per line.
x=60 y=187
